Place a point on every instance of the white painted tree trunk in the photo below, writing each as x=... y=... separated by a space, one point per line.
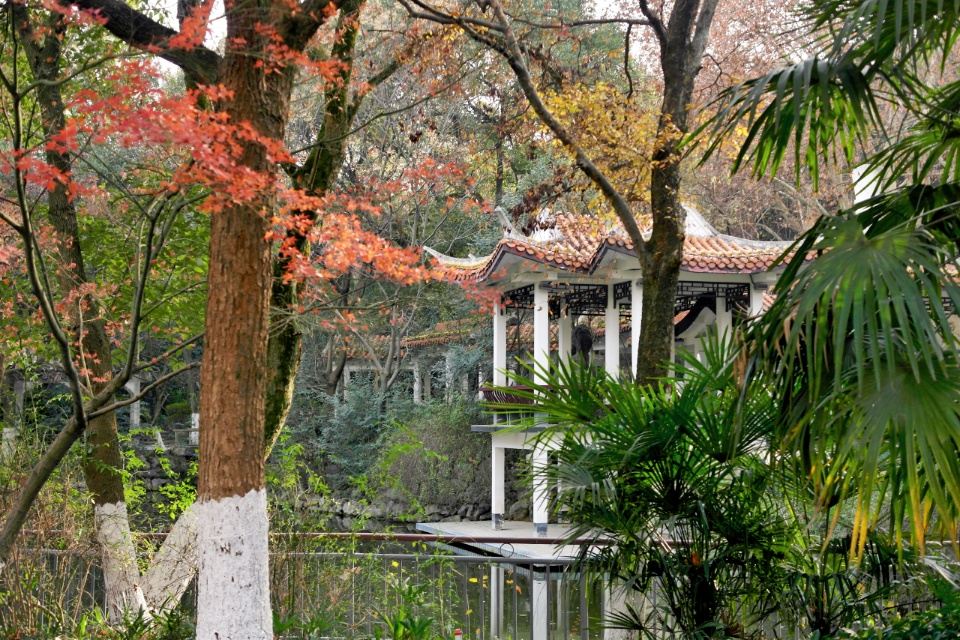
x=168 y=576
x=234 y=585
x=119 y=561
x=174 y=564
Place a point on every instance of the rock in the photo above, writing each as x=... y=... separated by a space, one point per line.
x=518 y=511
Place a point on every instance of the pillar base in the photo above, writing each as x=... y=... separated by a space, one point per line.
x=497 y=521
x=541 y=529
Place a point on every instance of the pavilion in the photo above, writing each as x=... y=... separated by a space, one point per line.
x=570 y=269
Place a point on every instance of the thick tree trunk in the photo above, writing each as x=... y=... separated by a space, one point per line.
x=233 y=584
x=682 y=40
x=317 y=176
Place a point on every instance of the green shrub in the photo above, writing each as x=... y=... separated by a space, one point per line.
x=177 y=412
x=430 y=457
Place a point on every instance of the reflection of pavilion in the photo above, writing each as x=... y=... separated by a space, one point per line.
x=576 y=268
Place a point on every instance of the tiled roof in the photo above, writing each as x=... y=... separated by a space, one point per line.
x=579 y=242
x=444 y=333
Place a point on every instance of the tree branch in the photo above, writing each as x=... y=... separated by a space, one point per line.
x=169 y=352
x=655 y=23
x=630 y=22
x=139 y=31
x=300 y=27
x=698 y=44
x=143 y=391
x=619 y=204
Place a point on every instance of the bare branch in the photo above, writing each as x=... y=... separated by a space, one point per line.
x=698 y=43
x=168 y=353
x=110 y=408
x=138 y=30
x=630 y=22
x=620 y=206
x=655 y=23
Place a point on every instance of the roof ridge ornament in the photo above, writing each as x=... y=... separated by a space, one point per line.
x=470 y=261
x=695 y=224
x=509 y=230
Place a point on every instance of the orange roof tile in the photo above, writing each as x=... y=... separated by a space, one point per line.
x=578 y=243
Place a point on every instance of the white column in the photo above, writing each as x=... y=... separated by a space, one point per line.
x=417 y=382
x=19 y=393
x=611 y=338
x=673 y=348
x=636 y=318
x=499 y=349
x=195 y=429
x=497 y=473
x=133 y=387
x=499 y=344
x=497 y=506
x=8 y=441
x=448 y=377
x=428 y=383
x=541 y=489
x=564 y=336
x=866 y=184
x=724 y=318
x=614 y=602
x=756 y=298
x=539 y=616
x=541 y=356
x=541 y=330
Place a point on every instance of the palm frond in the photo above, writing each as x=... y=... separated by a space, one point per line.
x=887 y=32
x=825 y=106
x=930 y=150
x=817 y=106
x=864 y=355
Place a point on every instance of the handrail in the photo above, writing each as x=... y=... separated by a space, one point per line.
x=401 y=537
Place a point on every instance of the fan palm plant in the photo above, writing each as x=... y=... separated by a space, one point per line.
x=679 y=477
x=861 y=344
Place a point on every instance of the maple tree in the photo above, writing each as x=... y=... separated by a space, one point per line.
x=229 y=144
